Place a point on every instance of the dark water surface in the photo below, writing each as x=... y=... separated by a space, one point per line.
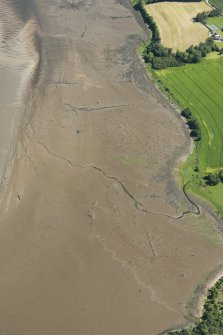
x=23 y=8
x=18 y=56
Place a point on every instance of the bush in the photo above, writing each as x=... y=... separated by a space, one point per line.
x=221 y=176
x=196 y=134
x=213 y=179
x=159 y=63
x=192 y=123
x=186 y=113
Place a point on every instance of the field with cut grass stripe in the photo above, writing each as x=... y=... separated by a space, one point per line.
x=200 y=87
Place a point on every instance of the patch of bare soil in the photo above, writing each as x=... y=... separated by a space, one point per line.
x=92 y=240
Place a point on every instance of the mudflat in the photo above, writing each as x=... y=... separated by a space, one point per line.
x=95 y=236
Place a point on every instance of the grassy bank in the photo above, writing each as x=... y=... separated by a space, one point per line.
x=200 y=87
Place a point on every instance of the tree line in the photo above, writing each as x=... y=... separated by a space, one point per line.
x=192 y=123
x=161 y=57
x=148 y=19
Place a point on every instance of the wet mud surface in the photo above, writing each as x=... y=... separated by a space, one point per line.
x=92 y=236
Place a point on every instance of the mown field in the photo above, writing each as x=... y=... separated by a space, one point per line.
x=200 y=87
x=174 y=20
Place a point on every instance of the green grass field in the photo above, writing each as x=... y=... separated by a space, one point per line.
x=216 y=3
x=220 y=45
x=216 y=23
x=200 y=87
x=217 y=20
